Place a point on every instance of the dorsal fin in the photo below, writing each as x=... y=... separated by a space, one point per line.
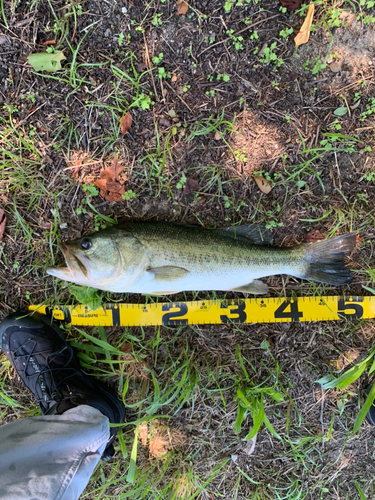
x=254 y=234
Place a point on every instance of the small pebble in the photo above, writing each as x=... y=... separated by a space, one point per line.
x=124 y=10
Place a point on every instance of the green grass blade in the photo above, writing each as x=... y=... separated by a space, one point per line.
x=121 y=441
x=241 y=415
x=364 y=410
x=104 y=345
x=133 y=458
x=269 y=426
x=360 y=491
x=257 y=414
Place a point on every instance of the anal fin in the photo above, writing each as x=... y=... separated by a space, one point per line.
x=256 y=287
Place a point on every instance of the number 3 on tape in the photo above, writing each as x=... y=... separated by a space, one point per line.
x=236 y=311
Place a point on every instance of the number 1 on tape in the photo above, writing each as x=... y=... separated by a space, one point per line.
x=237 y=311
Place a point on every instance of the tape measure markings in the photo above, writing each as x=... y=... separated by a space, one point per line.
x=237 y=311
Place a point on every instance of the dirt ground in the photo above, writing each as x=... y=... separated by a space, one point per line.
x=217 y=96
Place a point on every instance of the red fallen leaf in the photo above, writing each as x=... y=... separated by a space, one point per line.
x=126 y=123
x=291 y=4
x=191 y=185
x=182 y=7
x=314 y=236
x=3 y=221
x=358 y=240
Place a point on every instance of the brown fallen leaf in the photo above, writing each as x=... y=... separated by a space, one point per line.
x=314 y=235
x=304 y=33
x=292 y=76
x=217 y=136
x=110 y=190
x=174 y=78
x=143 y=433
x=126 y=123
x=115 y=187
x=263 y=184
x=126 y=347
x=201 y=200
x=114 y=196
x=336 y=66
x=3 y=221
x=159 y=438
x=291 y=4
x=110 y=183
x=191 y=185
x=182 y=7
x=101 y=184
x=112 y=172
x=49 y=42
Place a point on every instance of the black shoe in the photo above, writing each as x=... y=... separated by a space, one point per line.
x=49 y=368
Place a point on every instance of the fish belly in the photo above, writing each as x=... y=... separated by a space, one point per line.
x=196 y=281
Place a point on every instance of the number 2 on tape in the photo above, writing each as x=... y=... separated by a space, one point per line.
x=174 y=318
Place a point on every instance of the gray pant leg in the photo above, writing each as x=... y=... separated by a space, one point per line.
x=53 y=456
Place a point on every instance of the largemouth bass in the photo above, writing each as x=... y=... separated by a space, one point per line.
x=159 y=258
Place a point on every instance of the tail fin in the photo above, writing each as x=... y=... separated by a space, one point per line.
x=324 y=260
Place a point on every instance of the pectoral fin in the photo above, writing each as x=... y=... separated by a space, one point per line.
x=256 y=287
x=168 y=273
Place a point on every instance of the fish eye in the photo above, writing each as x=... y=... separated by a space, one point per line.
x=86 y=243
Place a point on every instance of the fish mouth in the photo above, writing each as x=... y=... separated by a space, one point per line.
x=74 y=262
x=76 y=270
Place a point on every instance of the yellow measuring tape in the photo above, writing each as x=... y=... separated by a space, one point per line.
x=201 y=312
